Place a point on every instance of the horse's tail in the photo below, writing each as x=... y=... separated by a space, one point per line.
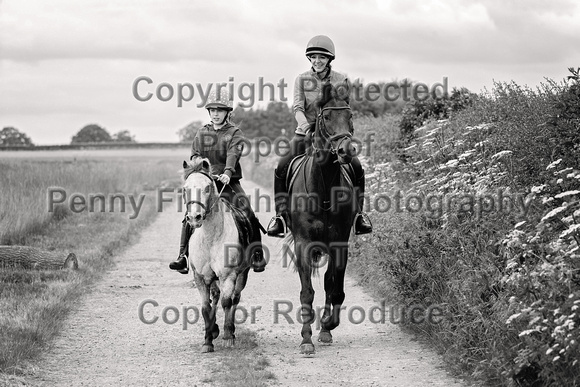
x=303 y=256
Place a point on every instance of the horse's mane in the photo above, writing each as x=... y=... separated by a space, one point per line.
x=197 y=164
x=340 y=92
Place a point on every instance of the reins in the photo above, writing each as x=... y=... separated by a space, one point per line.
x=202 y=205
x=327 y=136
x=326 y=204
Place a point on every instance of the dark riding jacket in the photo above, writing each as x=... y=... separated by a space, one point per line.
x=223 y=147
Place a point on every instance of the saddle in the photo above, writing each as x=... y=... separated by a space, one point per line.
x=299 y=162
x=243 y=224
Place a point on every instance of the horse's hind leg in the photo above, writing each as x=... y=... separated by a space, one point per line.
x=334 y=289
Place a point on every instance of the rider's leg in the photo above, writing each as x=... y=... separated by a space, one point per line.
x=240 y=200
x=180 y=264
x=362 y=224
x=276 y=227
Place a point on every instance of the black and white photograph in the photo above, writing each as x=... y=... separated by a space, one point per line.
x=290 y=193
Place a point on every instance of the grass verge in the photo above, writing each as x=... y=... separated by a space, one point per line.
x=35 y=302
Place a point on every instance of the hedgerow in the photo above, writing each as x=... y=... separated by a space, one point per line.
x=500 y=251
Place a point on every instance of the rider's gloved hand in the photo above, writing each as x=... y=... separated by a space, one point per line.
x=224 y=178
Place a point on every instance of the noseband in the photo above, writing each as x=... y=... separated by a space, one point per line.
x=207 y=209
x=327 y=136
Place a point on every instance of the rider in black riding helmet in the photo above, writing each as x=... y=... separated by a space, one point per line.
x=222 y=143
x=307 y=86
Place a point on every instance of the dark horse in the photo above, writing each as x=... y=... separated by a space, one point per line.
x=322 y=212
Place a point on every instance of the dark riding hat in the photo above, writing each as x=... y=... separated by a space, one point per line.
x=320 y=44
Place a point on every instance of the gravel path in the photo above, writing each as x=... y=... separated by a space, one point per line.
x=106 y=343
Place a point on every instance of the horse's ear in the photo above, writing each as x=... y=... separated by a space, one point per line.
x=325 y=95
x=343 y=90
x=205 y=164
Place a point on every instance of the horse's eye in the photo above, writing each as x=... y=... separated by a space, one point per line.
x=206 y=189
x=326 y=117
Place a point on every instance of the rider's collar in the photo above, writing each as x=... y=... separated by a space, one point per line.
x=326 y=73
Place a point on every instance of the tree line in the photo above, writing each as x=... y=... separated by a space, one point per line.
x=277 y=119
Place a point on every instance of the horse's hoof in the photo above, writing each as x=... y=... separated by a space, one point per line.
x=307 y=349
x=325 y=337
x=206 y=348
x=229 y=343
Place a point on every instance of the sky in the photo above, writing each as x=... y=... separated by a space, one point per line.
x=65 y=64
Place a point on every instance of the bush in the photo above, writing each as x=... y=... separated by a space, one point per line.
x=415 y=113
x=10 y=136
x=509 y=280
x=543 y=278
x=91 y=133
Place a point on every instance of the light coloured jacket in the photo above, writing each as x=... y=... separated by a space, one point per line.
x=307 y=87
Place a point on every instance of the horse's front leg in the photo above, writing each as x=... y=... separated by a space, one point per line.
x=208 y=312
x=334 y=289
x=307 y=313
x=230 y=300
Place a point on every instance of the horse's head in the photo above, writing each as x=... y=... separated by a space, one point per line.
x=334 y=128
x=199 y=191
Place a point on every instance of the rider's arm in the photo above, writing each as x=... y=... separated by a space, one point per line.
x=298 y=105
x=234 y=152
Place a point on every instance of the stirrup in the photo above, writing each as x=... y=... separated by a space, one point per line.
x=365 y=218
x=273 y=220
x=185 y=270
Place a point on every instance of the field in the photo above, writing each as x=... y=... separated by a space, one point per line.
x=36 y=213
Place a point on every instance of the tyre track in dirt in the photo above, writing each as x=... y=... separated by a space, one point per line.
x=105 y=343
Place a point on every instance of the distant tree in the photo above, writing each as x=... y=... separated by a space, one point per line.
x=187 y=133
x=373 y=102
x=123 y=136
x=273 y=121
x=91 y=133
x=12 y=136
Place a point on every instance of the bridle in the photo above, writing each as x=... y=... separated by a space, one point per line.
x=327 y=136
x=206 y=209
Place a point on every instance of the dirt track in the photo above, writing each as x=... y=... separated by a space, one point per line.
x=105 y=343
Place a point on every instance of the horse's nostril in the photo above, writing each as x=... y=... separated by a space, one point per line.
x=197 y=218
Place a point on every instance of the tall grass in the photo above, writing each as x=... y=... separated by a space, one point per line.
x=25 y=192
x=34 y=302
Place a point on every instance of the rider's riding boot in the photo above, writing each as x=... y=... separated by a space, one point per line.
x=258 y=261
x=180 y=264
x=362 y=223
x=277 y=226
